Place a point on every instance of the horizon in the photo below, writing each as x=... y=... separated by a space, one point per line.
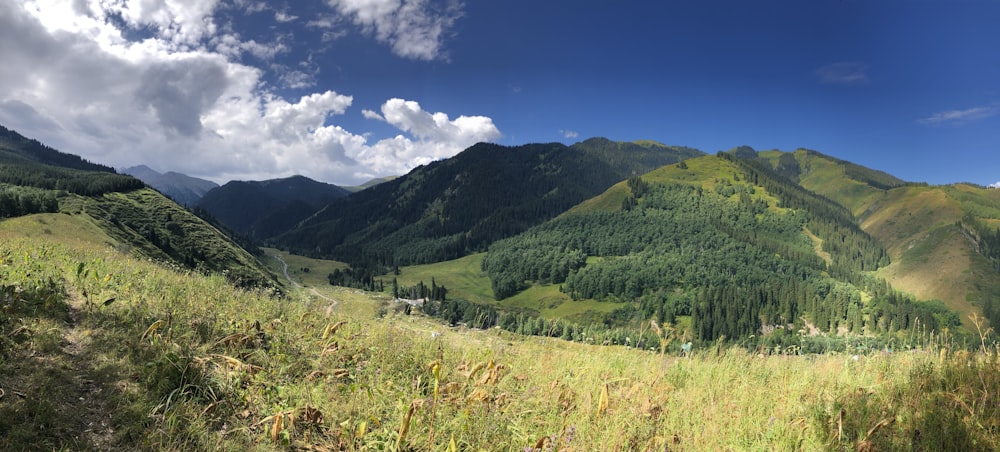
x=344 y=92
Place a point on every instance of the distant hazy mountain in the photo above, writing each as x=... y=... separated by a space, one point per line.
x=451 y=207
x=262 y=209
x=182 y=188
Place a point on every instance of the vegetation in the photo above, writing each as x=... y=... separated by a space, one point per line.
x=151 y=226
x=264 y=209
x=37 y=179
x=17 y=149
x=725 y=247
x=101 y=351
x=681 y=309
x=450 y=208
x=16 y=201
x=183 y=189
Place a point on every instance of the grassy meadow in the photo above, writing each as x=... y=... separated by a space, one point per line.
x=465 y=279
x=100 y=350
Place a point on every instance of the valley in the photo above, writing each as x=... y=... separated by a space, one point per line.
x=190 y=363
x=742 y=300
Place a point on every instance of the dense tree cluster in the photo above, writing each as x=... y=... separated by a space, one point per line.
x=17 y=201
x=28 y=163
x=873 y=178
x=723 y=255
x=358 y=278
x=852 y=249
x=87 y=183
x=420 y=291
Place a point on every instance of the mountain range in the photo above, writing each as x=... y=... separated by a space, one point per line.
x=452 y=207
x=676 y=231
x=262 y=209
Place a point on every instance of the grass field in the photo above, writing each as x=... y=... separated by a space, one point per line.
x=465 y=279
x=101 y=351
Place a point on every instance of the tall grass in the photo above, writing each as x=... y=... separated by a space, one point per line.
x=186 y=362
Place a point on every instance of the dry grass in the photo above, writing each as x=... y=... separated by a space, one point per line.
x=233 y=370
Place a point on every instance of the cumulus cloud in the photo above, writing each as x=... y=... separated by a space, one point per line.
x=570 y=134
x=180 y=99
x=412 y=28
x=960 y=116
x=844 y=73
x=437 y=135
x=995 y=185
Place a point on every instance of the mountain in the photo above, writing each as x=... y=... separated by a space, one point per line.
x=938 y=237
x=722 y=239
x=262 y=209
x=184 y=189
x=35 y=178
x=16 y=149
x=369 y=184
x=452 y=207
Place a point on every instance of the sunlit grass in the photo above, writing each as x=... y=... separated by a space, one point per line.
x=227 y=369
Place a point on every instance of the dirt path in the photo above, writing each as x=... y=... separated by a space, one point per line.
x=92 y=405
x=296 y=285
x=53 y=393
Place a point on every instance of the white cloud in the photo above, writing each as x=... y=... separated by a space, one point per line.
x=960 y=116
x=437 y=136
x=844 y=73
x=995 y=185
x=371 y=114
x=570 y=134
x=412 y=28
x=284 y=17
x=180 y=100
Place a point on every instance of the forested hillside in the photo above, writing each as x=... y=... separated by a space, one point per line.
x=722 y=239
x=37 y=179
x=450 y=208
x=28 y=163
x=939 y=237
x=263 y=209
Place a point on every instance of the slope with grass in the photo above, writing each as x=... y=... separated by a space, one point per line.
x=101 y=351
x=152 y=226
x=36 y=178
x=919 y=225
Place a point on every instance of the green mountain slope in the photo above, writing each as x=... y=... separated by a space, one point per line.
x=722 y=239
x=139 y=220
x=262 y=209
x=450 y=208
x=934 y=234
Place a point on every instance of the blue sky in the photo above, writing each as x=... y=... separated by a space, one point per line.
x=345 y=90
